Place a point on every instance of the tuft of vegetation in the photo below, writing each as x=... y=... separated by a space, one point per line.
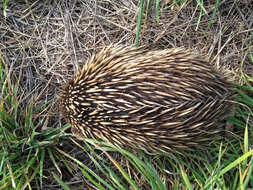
x=25 y=148
x=5 y=7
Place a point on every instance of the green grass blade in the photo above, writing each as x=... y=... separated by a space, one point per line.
x=147 y=8
x=107 y=173
x=87 y=169
x=139 y=19
x=64 y=186
x=42 y=158
x=213 y=14
x=53 y=160
x=125 y=175
x=230 y=166
x=95 y=176
x=28 y=119
x=155 y=180
x=199 y=18
x=5 y=7
x=249 y=176
x=118 y=183
x=246 y=142
x=3 y=155
x=186 y=179
x=144 y=167
x=201 y=6
x=251 y=54
x=157 y=10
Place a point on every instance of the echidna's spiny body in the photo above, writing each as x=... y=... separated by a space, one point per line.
x=165 y=100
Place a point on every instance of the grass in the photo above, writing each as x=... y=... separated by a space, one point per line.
x=25 y=148
x=35 y=156
x=5 y=7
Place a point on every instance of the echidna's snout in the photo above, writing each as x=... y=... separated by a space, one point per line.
x=66 y=105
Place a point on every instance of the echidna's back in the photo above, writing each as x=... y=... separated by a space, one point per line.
x=161 y=99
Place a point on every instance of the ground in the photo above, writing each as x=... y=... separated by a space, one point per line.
x=43 y=43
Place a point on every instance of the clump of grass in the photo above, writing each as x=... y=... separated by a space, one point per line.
x=23 y=145
x=195 y=170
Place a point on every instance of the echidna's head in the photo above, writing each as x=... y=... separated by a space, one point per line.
x=70 y=104
x=74 y=105
x=65 y=102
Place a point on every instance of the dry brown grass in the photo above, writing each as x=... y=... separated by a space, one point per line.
x=45 y=42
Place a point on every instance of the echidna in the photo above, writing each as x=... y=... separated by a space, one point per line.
x=165 y=100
